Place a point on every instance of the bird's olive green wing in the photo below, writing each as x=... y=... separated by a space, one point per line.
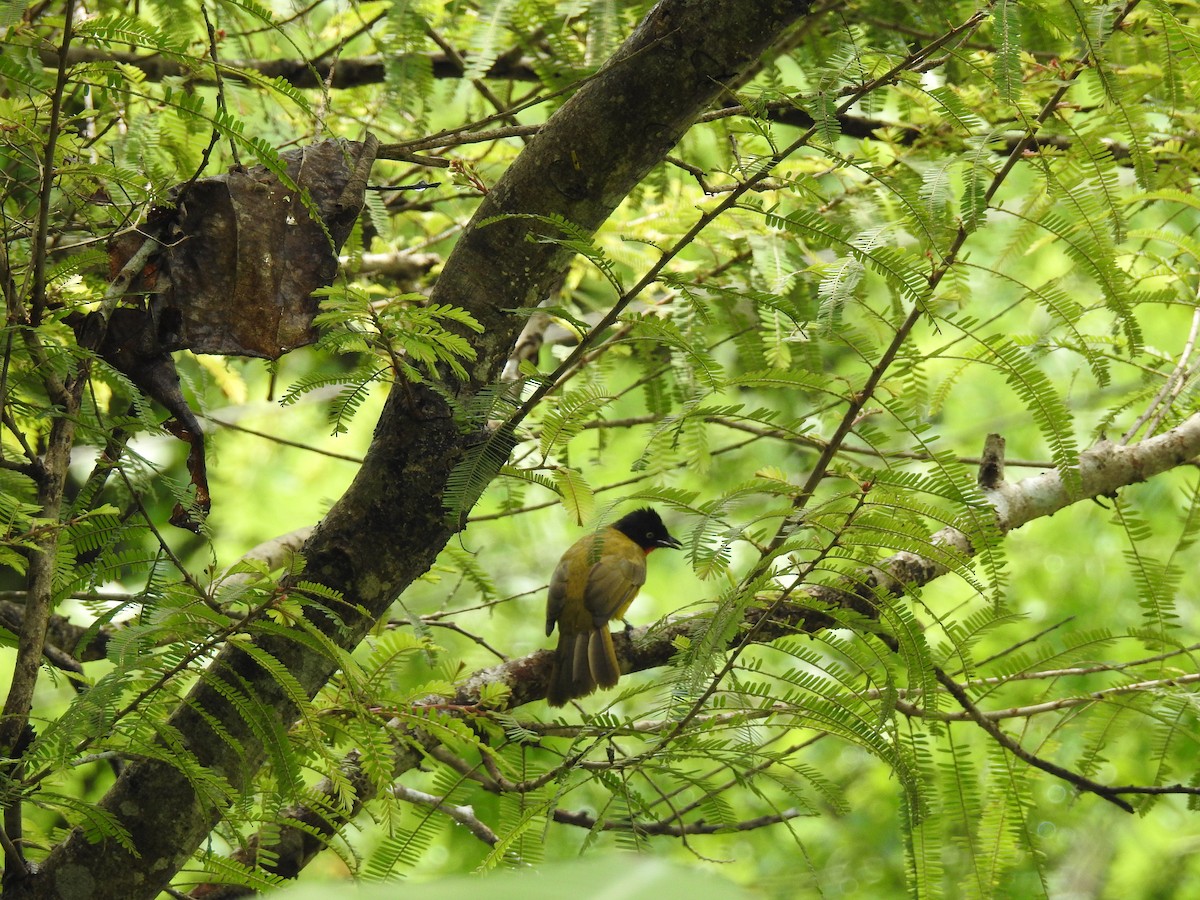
x=556 y=596
x=613 y=583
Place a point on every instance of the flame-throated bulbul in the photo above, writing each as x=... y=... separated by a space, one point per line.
x=594 y=583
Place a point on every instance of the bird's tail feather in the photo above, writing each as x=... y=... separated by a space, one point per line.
x=581 y=663
x=602 y=658
x=570 y=678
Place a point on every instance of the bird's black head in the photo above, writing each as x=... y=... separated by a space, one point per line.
x=645 y=528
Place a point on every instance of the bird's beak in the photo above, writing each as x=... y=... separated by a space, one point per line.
x=670 y=542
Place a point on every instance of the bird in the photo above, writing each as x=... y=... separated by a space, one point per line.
x=594 y=583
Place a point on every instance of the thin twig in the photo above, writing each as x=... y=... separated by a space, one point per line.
x=478 y=83
x=1012 y=746
x=216 y=67
x=668 y=826
x=50 y=170
x=1171 y=387
x=284 y=442
x=1037 y=709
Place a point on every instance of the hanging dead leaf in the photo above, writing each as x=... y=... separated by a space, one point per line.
x=238 y=258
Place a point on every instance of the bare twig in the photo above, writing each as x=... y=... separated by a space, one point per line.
x=1037 y=709
x=1013 y=747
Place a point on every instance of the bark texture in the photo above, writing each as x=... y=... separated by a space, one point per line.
x=388 y=527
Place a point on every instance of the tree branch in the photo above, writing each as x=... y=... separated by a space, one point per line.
x=463 y=815
x=1013 y=747
x=300 y=73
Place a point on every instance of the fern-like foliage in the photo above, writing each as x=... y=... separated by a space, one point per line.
x=900 y=230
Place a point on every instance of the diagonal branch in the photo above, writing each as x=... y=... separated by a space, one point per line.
x=1012 y=746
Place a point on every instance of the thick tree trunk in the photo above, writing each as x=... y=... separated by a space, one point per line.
x=388 y=527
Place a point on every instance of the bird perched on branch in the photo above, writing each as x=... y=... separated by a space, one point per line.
x=594 y=583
